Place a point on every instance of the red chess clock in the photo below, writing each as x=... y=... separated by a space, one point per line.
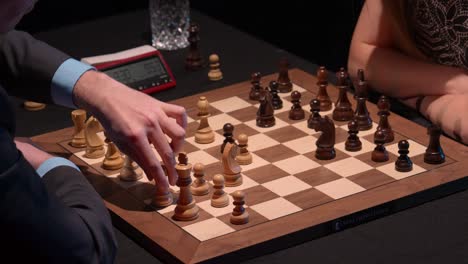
x=142 y=68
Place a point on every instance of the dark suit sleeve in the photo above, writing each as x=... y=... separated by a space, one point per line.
x=56 y=219
x=27 y=66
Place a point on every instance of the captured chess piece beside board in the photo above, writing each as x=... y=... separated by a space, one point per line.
x=268 y=160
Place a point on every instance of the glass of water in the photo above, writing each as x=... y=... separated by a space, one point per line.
x=170 y=20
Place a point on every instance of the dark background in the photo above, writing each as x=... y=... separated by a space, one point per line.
x=320 y=34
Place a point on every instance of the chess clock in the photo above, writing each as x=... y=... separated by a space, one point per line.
x=142 y=68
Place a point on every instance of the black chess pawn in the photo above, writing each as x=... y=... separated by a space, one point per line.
x=434 y=153
x=343 y=110
x=403 y=163
x=379 y=154
x=265 y=113
x=276 y=100
x=322 y=95
x=384 y=111
x=228 y=130
x=256 y=89
x=194 y=60
x=284 y=83
x=353 y=143
x=314 y=117
x=296 y=112
x=362 y=114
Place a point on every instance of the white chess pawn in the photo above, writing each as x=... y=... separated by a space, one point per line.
x=199 y=186
x=220 y=197
x=239 y=215
x=204 y=134
x=244 y=157
x=215 y=73
x=130 y=171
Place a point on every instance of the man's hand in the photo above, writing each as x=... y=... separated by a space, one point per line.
x=32 y=154
x=134 y=120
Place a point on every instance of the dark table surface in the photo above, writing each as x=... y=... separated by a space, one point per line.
x=435 y=232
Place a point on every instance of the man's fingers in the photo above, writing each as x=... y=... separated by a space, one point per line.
x=149 y=163
x=178 y=113
x=165 y=151
x=175 y=132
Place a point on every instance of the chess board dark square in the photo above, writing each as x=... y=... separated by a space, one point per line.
x=191 y=129
x=240 y=129
x=265 y=173
x=189 y=148
x=258 y=194
x=317 y=176
x=367 y=158
x=213 y=169
x=215 y=152
x=285 y=134
x=203 y=215
x=397 y=138
x=143 y=191
x=419 y=160
x=370 y=179
x=276 y=153
x=254 y=219
x=308 y=198
x=285 y=117
x=245 y=114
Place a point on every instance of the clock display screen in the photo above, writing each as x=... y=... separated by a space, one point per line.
x=140 y=74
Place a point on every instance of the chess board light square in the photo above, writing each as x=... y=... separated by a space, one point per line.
x=230 y=104
x=295 y=88
x=389 y=169
x=260 y=141
x=257 y=162
x=202 y=157
x=286 y=185
x=340 y=188
x=208 y=229
x=286 y=107
x=217 y=142
x=217 y=122
x=415 y=148
x=302 y=145
x=297 y=164
x=348 y=167
x=366 y=147
x=253 y=124
x=275 y=208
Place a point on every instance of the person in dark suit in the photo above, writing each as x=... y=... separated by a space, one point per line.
x=49 y=210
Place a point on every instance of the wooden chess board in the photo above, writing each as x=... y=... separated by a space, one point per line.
x=290 y=195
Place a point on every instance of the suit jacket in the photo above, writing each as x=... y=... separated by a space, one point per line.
x=59 y=218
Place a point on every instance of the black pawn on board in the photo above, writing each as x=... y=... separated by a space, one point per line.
x=228 y=130
x=276 y=100
x=322 y=95
x=343 y=110
x=384 y=111
x=353 y=143
x=265 y=113
x=434 y=153
x=296 y=112
x=194 y=60
x=362 y=114
x=403 y=163
x=256 y=89
x=379 y=154
x=284 y=83
x=314 y=117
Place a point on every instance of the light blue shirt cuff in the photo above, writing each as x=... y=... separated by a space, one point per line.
x=52 y=163
x=64 y=80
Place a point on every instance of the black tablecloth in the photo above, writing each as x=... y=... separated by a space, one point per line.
x=435 y=232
